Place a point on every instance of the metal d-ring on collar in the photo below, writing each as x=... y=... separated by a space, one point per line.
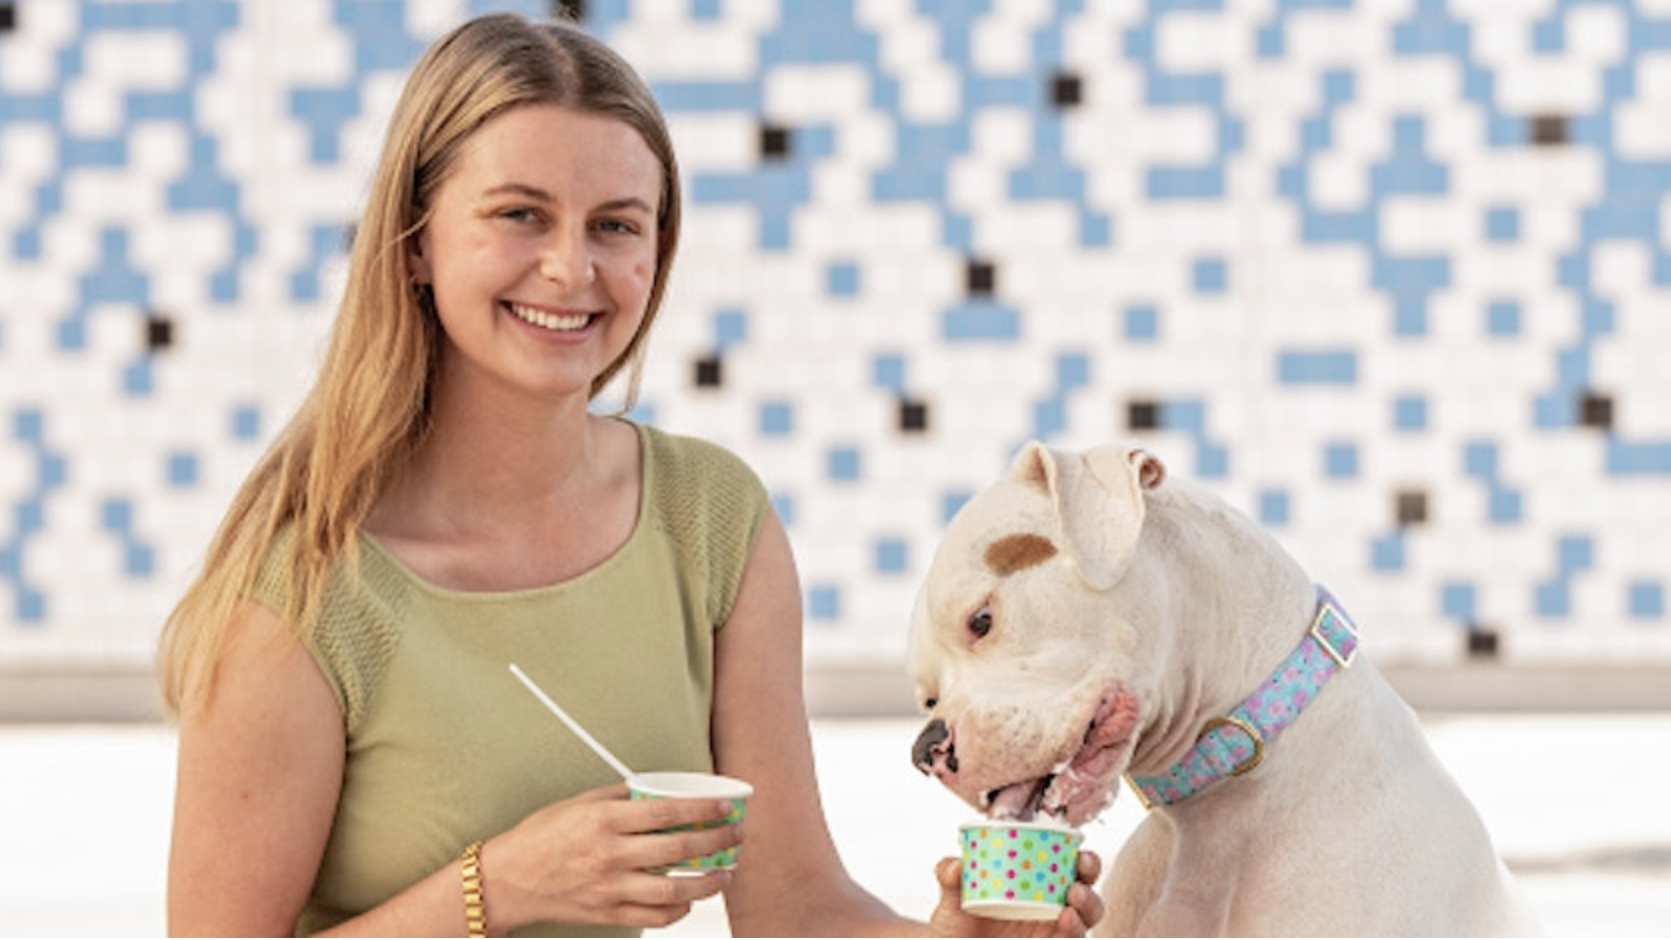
x=1231 y=745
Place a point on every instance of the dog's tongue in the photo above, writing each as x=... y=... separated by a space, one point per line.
x=1018 y=801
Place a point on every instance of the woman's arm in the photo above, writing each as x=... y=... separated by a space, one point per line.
x=259 y=771
x=790 y=880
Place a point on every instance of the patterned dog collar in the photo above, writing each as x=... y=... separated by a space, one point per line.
x=1234 y=744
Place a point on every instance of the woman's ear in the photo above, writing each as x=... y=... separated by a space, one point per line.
x=416 y=264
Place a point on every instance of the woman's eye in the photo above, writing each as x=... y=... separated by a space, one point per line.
x=617 y=227
x=980 y=623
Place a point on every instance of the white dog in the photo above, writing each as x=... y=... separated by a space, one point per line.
x=1085 y=619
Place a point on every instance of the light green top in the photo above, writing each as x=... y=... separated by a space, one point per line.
x=445 y=746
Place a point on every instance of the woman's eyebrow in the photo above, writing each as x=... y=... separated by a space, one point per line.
x=534 y=192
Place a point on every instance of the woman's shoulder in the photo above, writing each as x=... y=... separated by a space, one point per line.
x=354 y=632
x=684 y=460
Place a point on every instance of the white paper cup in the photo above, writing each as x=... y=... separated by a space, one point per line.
x=688 y=785
x=1018 y=870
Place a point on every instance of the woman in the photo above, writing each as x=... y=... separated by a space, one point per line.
x=445 y=503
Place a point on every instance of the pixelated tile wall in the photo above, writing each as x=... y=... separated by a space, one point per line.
x=1391 y=276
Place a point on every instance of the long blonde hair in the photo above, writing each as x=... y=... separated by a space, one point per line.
x=369 y=407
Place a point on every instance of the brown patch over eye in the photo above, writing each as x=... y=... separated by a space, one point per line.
x=1015 y=552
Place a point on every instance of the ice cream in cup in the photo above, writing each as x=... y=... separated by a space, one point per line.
x=1014 y=870
x=687 y=785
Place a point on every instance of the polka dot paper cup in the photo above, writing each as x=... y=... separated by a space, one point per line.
x=1018 y=870
x=686 y=786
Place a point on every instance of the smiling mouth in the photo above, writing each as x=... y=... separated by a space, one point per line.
x=557 y=323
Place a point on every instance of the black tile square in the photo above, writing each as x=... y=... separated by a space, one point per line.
x=1549 y=130
x=1142 y=416
x=1595 y=410
x=774 y=142
x=1066 y=90
x=1483 y=642
x=710 y=372
x=1410 y=507
x=159 y=332
x=980 y=278
x=913 y=416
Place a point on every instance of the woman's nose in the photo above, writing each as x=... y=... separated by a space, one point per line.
x=567 y=260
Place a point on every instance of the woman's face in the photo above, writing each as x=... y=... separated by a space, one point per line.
x=541 y=249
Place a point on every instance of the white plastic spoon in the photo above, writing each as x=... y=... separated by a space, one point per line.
x=591 y=742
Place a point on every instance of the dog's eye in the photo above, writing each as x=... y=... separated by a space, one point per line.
x=929 y=703
x=981 y=623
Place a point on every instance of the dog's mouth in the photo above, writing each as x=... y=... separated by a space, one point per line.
x=1078 y=788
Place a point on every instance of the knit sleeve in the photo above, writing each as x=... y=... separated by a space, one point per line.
x=355 y=634
x=712 y=504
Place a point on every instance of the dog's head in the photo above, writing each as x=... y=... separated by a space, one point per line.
x=1018 y=648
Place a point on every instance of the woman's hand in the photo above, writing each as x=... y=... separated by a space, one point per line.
x=1082 y=912
x=587 y=860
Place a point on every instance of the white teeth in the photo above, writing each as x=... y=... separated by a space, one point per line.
x=549 y=321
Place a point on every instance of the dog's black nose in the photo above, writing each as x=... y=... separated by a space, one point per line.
x=932 y=748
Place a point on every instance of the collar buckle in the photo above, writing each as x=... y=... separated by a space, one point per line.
x=1334 y=632
x=1244 y=726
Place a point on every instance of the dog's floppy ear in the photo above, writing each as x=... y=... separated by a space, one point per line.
x=1098 y=498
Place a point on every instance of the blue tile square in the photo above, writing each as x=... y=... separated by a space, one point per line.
x=1141 y=323
x=1212 y=461
x=1479 y=459
x=841 y=279
x=843 y=464
x=730 y=328
x=1273 y=508
x=1211 y=275
x=892 y=556
x=182 y=469
x=1329 y=367
x=1502 y=318
x=1504 y=507
x=1458 y=601
x=1340 y=461
x=29 y=515
x=1502 y=224
x=823 y=602
x=1647 y=600
x=31 y=606
x=29 y=426
x=1575 y=553
x=887 y=371
x=777 y=419
x=137 y=561
x=1387 y=553
x=246 y=422
x=1551 y=601
x=1410 y=413
x=1073 y=370
x=116 y=515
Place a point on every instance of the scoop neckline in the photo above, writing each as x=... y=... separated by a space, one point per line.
x=645 y=481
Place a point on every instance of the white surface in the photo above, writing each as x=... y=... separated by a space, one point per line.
x=1575 y=802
